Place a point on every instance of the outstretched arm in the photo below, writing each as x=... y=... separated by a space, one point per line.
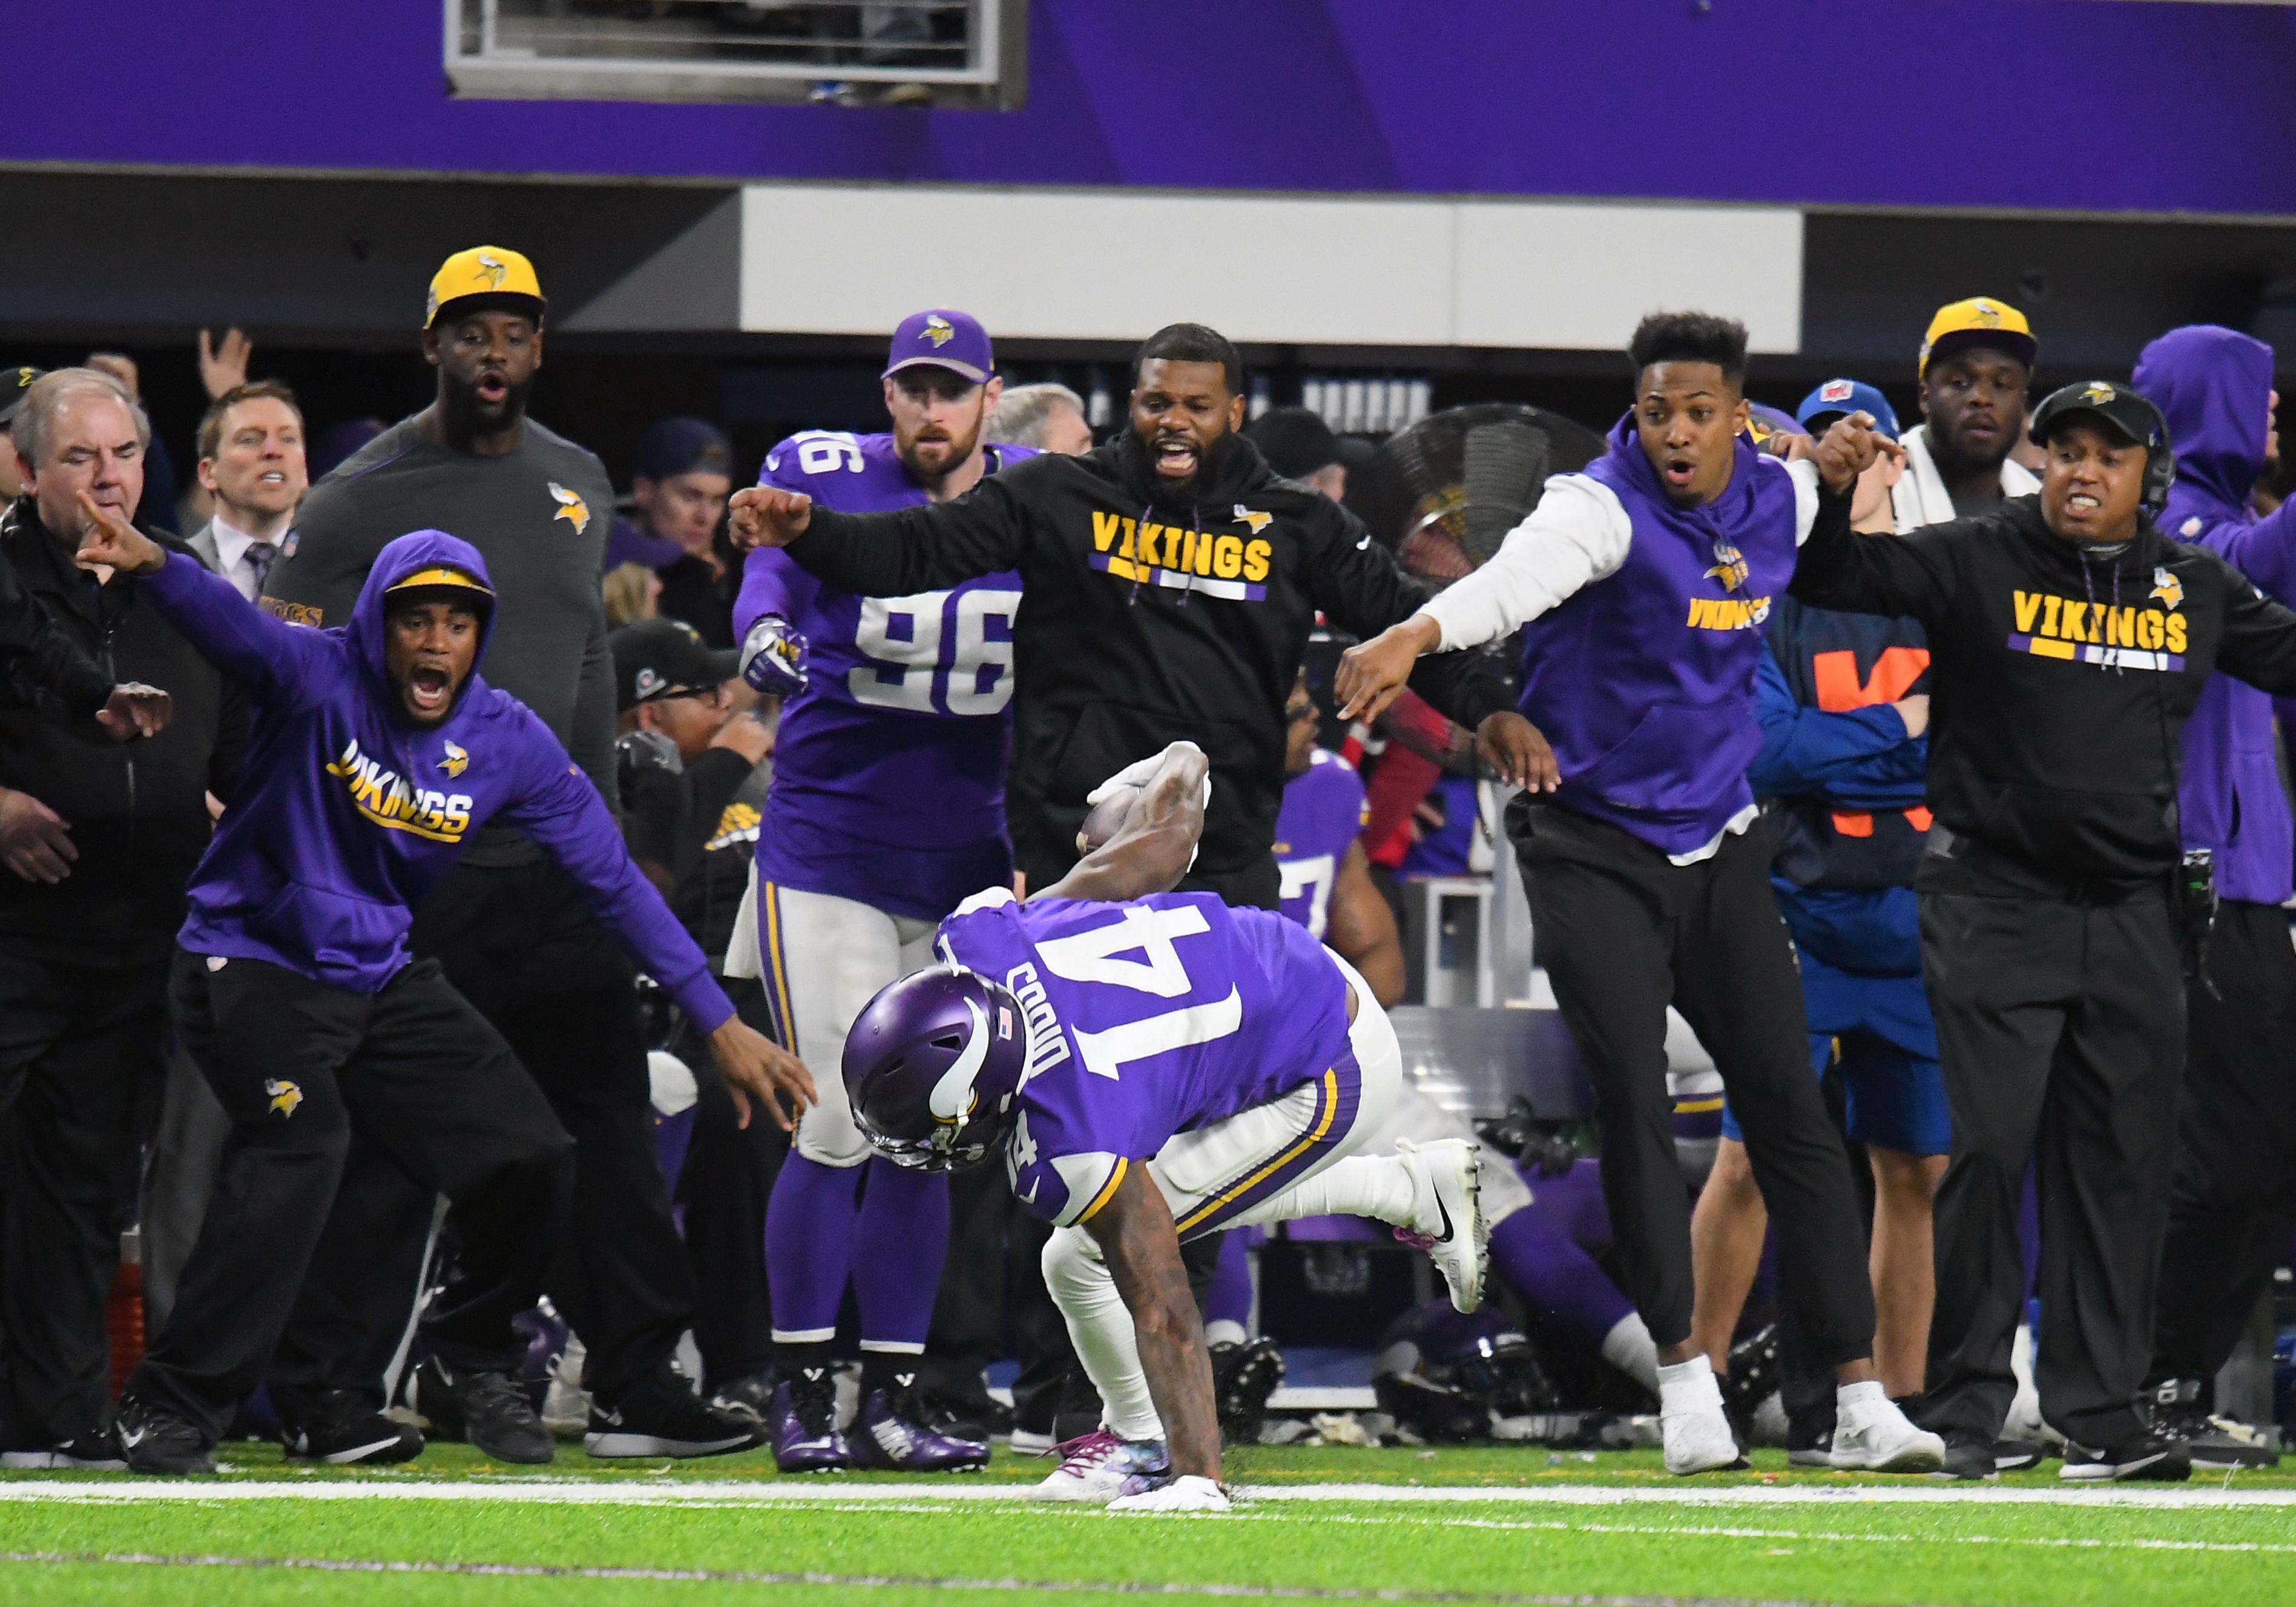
x=1155 y=843
x=888 y=555
x=1142 y=1248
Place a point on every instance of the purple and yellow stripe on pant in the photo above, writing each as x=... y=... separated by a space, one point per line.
x=1332 y=1119
x=772 y=946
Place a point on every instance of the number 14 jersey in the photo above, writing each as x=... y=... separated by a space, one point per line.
x=889 y=770
x=1144 y=1020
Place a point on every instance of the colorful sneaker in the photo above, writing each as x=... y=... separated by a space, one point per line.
x=891 y=1432
x=1098 y=1467
x=804 y=1424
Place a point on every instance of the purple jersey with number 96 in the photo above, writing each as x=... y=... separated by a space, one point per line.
x=1146 y=1020
x=889 y=769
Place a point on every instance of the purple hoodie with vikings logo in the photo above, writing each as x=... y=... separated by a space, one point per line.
x=349 y=811
x=2214 y=388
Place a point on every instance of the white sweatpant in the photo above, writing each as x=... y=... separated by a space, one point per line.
x=1194 y=1166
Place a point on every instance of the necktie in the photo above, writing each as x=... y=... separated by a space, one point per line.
x=260 y=556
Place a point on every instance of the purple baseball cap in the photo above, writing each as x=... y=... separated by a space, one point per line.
x=943 y=339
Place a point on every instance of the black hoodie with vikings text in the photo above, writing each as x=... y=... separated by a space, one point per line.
x=1142 y=623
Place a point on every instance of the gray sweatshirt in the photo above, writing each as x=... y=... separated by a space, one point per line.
x=539 y=516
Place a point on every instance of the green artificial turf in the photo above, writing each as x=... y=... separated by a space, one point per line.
x=890 y=1554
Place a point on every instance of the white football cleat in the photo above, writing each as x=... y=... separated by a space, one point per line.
x=1447 y=1213
x=1098 y=1467
x=1872 y=1436
x=1188 y=1493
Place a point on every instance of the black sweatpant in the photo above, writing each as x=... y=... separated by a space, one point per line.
x=523 y=946
x=2232 y=1205
x=1623 y=932
x=2061 y=1031
x=424 y=1081
x=82 y=1059
x=722 y=1191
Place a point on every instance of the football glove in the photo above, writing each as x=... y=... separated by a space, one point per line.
x=1188 y=1493
x=772 y=658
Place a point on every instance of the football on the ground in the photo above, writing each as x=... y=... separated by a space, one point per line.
x=1106 y=818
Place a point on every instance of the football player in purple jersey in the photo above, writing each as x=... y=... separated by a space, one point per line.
x=887 y=808
x=1154 y=1067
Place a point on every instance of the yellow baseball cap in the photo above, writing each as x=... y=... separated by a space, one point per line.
x=483 y=270
x=1979 y=321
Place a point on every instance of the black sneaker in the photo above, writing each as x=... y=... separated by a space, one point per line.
x=1968 y=1455
x=2150 y=1457
x=488 y=1409
x=973 y=1416
x=153 y=1441
x=86 y=1452
x=1755 y=1375
x=2215 y=1443
x=342 y=1429
x=2015 y=1455
x=751 y=1394
x=1809 y=1433
x=1243 y=1376
x=662 y=1417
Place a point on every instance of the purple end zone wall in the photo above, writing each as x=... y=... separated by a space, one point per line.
x=2096 y=106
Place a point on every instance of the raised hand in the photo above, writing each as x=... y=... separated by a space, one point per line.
x=1372 y=674
x=766 y=516
x=223 y=367
x=757 y=1067
x=1848 y=450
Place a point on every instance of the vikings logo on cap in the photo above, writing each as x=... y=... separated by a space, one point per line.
x=571 y=508
x=939 y=330
x=284 y=1095
x=457 y=761
x=1984 y=312
x=484 y=270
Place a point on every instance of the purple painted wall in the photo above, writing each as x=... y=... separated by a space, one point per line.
x=2105 y=105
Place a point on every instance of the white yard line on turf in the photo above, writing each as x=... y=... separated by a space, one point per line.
x=578 y=1492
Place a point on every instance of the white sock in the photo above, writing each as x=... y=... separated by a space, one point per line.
x=1629 y=1348
x=1225 y=1330
x=1860 y=1398
x=1101 y=1329
x=1378 y=1186
x=1685 y=1387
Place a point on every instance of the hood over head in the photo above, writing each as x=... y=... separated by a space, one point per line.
x=412 y=557
x=2213 y=386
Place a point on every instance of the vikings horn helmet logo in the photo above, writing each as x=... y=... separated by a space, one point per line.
x=494 y=269
x=571 y=508
x=1729 y=566
x=457 y=761
x=2099 y=393
x=284 y=1095
x=1256 y=521
x=939 y=330
x=2167 y=587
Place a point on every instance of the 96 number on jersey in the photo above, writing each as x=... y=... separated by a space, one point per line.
x=942 y=664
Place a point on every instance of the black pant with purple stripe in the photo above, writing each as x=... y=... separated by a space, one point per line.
x=1623 y=932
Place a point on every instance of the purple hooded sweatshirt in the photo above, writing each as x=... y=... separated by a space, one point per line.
x=349 y=811
x=2214 y=387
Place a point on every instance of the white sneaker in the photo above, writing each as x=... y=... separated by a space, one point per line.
x=1693 y=1426
x=1447 y=1213
x=1098 y=1467
x=1871 y=1435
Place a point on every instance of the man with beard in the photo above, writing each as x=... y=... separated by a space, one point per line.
x=1976 y=361
x=887 y=808
x=510 y=927
x=1171 y=579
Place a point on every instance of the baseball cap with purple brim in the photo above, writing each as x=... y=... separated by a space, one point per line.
x=943 y=338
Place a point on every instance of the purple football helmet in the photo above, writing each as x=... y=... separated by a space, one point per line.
x=931 y=1066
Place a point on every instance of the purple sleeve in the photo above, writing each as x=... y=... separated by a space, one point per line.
x=2264 y=552
x=254 y=648
x=562 y=811
x=772 y=583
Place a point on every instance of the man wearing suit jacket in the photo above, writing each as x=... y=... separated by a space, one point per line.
x=251 y=462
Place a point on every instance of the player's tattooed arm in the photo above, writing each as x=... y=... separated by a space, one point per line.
x=1153 y=843
x=1135 y=1235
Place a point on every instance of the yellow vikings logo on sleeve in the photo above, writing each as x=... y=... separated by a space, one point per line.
x=939 y=330
x=2167 y=587
x=1729 y=566
x=284 y=1095
x=457 y=761
x=1256 y=521
x=571 y=508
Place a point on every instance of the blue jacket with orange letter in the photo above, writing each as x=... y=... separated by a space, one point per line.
x=349 y=811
